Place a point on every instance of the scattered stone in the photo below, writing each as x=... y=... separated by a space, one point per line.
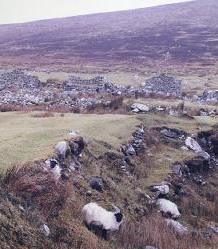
x=137 y=107
x=177 y=226
x=210 y=96
x=45 y=229
x=97 y=183
x=192 y=144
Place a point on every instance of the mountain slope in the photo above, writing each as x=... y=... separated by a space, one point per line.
x=177 y=33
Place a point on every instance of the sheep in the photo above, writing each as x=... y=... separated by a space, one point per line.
x=168 y=208
x=53 y=166
x=98 y=218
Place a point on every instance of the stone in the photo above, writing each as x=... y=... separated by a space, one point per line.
x=130 y=151
x=97 y=183
x=140 y=107
x=45 y=229
x=177 y=226
x=192 y=144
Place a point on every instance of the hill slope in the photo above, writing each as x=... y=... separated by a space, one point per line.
x=177 y=33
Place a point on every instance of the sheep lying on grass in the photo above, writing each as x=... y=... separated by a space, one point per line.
x=101 y=220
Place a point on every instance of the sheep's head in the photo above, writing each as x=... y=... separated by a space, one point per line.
x=118 y=215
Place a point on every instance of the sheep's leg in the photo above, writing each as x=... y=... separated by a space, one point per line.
x=105 y=234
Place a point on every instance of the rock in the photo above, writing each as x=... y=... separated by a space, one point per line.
x=150 y=247
x=192 y=144
x=168 y=208
x=172 y=133
x=62 y=148
x=177 y=169
x=215 y=229
x=204 y=154
x=130 y=151
x=140 y=107
x=162 y=189
x=177 y=226
x=45 y=229
x=97 y=183
x=210 y=96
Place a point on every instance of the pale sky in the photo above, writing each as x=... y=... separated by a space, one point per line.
x=14 y=11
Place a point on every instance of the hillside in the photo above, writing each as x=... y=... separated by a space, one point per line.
x=177 y=34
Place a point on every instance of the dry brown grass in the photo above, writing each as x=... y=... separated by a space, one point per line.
x=35 y=186
x=153 y=231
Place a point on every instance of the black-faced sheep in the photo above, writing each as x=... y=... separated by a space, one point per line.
x=99 y=219
x=53 y=166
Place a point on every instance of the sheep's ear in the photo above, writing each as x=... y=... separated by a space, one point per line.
x=117 y=210
x=118 y=216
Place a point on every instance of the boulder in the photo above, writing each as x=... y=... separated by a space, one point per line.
x=172 y=133
x=137 y=107
x=96 y=183
x=192 y=144
x=210 y=96
x=161 y=188
x=177 y=226
x=45 y=230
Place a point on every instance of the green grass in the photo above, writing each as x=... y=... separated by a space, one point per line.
x=25 y=138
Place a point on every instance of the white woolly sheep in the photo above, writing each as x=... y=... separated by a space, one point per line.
x=53 y=166
x=98 y=218
x=168 y=208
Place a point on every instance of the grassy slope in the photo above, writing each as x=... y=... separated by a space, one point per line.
x=24 y=138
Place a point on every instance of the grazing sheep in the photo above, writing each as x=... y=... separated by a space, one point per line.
x=52 y=165
x=99 y=218
x=168 y=208
x=62 y=148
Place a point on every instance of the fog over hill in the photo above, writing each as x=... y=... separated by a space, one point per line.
x=179 y=33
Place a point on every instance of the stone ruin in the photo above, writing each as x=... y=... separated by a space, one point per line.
x=17 y=78
x=164 y=85
x=209 y=96
x=94 y=85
